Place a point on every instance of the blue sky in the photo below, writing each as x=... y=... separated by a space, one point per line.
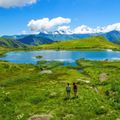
x=93 y=13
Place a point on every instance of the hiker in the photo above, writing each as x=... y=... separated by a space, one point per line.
x=75 y=89
x=68 y=90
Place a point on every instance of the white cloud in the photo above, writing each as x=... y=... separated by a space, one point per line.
x=16 y=3
x=64 y=29
x=83 y=29
x=46 y=24
x=57 y=25
x=112 y=27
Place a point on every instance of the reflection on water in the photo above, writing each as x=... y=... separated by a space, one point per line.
x=68 y=57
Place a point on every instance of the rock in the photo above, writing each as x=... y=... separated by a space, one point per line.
x=46 y=72
x=85 y=81
x=103 y=77
x=53 y=94
x=31 y=69
x=62 y=82
x=97 y=91
x=40 y=117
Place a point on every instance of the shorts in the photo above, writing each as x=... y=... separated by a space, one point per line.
x=75 y=90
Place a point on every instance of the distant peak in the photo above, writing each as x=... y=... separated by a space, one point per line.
x=114 y=31
x=43 y=33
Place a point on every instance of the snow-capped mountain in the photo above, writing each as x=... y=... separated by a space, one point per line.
x=49 y=37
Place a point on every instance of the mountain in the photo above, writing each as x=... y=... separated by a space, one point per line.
x=35 y=40
x=30 y=39
x=10 y=43
x=113 y=36
x=45 y=38
x=15 y=37
x=60 y=37
x=91 y=43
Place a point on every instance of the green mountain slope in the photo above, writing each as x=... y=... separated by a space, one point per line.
x=3 y=51
x=9 y=43
x=85 y=44
x=113 y=36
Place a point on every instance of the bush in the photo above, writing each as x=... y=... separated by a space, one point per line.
x=35 y=100
x=101 y=110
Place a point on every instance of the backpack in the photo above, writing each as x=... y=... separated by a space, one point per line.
x=68 y=88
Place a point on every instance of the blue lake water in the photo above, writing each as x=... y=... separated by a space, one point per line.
x=68 y=57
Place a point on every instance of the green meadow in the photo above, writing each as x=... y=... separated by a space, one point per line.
x=25 y=90
x=91 y=43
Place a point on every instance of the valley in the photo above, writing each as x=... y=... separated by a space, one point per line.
x=39 y=89
x=59 y=60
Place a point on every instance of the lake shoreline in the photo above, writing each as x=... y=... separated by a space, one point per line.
x=69 y=57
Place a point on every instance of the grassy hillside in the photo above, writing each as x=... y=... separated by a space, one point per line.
x=92 y=43
x=9 y=43
x=26 y=91
x=3 y=51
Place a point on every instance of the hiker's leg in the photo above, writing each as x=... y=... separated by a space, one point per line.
x=68 y=93
x=75 y=93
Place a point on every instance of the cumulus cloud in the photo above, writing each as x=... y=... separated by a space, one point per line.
x=83 y=29
x=46 y=24
x=15 y=3
x=112 y=27
x=57 y=24
x=64 y=29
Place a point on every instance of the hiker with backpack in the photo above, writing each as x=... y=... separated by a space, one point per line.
x=68 y=90
x=75 y=89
